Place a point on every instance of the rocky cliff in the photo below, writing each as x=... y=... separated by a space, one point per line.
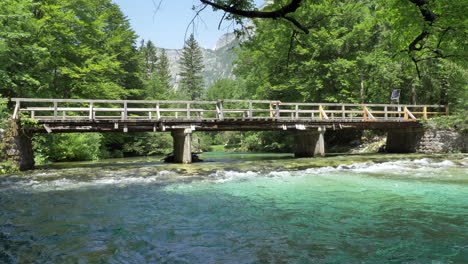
x=218 y=61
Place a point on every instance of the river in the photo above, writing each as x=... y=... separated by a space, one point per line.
x=239 y=208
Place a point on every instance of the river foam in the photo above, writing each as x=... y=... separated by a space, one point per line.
x=392 y=167
x=50 y=180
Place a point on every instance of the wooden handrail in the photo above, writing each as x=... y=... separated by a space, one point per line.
x=207 y=102
x=221 y=109
x=357 y=105
x=44 y=100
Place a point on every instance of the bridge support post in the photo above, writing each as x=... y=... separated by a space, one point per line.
x=182 y=139
x=17 y=146
x=309 y=143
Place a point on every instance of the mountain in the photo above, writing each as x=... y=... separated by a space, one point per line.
x=218 y=61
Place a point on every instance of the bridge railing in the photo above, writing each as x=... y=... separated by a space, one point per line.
x=78 y=109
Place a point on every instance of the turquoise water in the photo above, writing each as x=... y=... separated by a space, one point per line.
x=251 y=209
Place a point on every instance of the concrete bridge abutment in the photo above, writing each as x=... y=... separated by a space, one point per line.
x=403 y=140
x=309 y=143
x=182 y=139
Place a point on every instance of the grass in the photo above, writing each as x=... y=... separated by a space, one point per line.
x=217 y=148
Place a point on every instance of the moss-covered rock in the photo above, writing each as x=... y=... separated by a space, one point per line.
x=15 y=148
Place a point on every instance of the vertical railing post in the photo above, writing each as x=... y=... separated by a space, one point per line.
x=158 y=112
x=297 y=111
x=277 y=112
x=125 y=111
x=188 y=110
x=17 y=108
x=425 y=112
x=320 y=112
x=405 y=110
x=386 y=112
x=343 y=113
x=219 y=109
x=364 y=108
x=446 y=110
x=250 y=110
x=91 y=111
x=55 y=109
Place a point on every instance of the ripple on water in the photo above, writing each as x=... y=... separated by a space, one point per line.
x=402 y=211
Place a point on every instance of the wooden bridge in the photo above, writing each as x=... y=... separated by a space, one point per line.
x=70 y=115
x=308 y=121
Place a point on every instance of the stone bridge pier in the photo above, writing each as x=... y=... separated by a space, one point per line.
x=309 y=143
x=426 y=140
x=17 y=146
x=182 y=139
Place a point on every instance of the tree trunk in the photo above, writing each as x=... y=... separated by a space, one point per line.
x=362 y=89
x=413 y=92
x=444 y=98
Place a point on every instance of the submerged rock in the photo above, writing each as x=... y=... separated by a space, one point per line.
x=373 y=145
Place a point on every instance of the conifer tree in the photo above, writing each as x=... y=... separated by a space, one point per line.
x=150 y=59
x=191 y=62
x=163 y=73
x=155 y=72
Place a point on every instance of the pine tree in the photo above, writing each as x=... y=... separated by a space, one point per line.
x=155 y=72
x=191 y=62
x=163 y=73
x=150 y=59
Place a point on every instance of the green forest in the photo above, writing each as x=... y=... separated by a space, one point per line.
x=324 y=51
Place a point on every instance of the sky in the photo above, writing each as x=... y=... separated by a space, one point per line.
x=165 y=22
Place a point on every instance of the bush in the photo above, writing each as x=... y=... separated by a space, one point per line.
x=458 y=121
x=252 y=142
x=3 y=117
x=268 y=141
x=67 y=147
x=203 y=141
x=147 y=144
x=4 y=113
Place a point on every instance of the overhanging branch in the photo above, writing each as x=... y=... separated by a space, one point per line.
x=429 y=16
x=278 y=13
